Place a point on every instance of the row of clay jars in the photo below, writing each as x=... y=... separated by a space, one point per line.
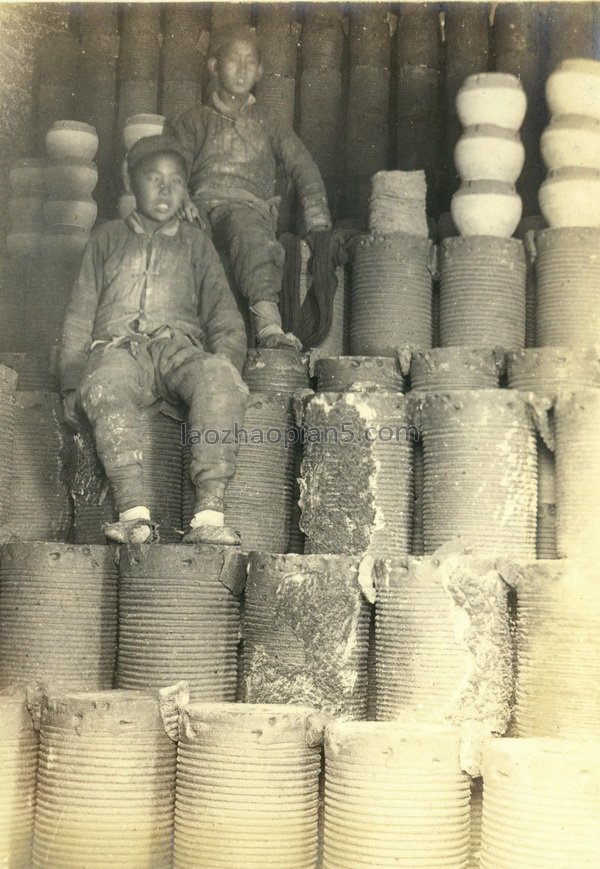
x=570 y=145
x=489 y=155
x=60 y=178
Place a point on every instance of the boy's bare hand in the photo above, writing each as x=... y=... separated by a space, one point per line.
x=70 y=403
x=188 y=211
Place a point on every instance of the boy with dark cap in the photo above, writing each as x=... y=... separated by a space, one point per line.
x=232 y=145
x=151 y=317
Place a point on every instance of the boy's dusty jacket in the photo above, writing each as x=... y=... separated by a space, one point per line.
x=130 y=281
x=240 y=153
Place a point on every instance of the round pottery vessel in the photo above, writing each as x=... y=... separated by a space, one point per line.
x=24 y=243
x=64 y=245
x=79 y=213
x=574 y=88
x=28 y=177
x=139 y=126
x=494 y=98
x=486 y=208
x=70 y=178
x=571 y=140
x=71 y=139
x=126 y=205
x=571 y=197
x=491 y=153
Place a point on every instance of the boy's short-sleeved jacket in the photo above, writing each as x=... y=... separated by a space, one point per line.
x=240 y=153
x=132 y=282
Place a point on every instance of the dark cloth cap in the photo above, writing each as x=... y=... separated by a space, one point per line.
x=149 y=145
x=222 y=36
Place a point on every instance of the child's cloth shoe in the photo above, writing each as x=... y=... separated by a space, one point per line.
x=279 y=341
x=131 y=531
x=218 y=535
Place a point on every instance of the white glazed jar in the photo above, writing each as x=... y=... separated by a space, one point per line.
x=494 y=98
x=487 y=152
x=571 y=140
x=574 y=88
x=486 y=208
x=571 y=197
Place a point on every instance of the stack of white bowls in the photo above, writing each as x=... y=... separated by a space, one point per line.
x=25 y=207
x=570 y=144
x=489 y=155
x=136 y=127
x=70 y=177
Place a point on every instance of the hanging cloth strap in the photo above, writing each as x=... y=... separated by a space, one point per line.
x=328 y=252
x=289 y=301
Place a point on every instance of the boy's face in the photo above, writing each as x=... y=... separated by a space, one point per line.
x=238 y=68
x=159 y=186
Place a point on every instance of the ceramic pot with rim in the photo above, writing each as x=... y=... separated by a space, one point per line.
x=486 y=208
x=495 y=98
x=571 y=140
x=487 y=152
x=71 y=139
x=574 y=88
x=571 y=197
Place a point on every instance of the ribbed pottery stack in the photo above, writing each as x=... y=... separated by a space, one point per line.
x=159 y=436
x=482 y=273
x=139 y=57
x=259 y=495
x=58 y=616
x=18 y=769
x=394 y=795
x=358 y=373
x=26 y=207
x=541 y=804
x=185 y=41
x=96 y=90
x=417 y=89
x=480 y=470
x=39 y=496
x=367 y=130
x=321 y=109
x=36 y=371
x=247 y=787
x=306 y=632
x=57 y=77
x=443 y=647
x=106 y=782
x=278 y=33
x=179 y=619
x=8 y=387
x=557 y=650
x=356 y=475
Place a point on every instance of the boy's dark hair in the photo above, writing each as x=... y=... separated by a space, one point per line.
x=224 y=36
x=153 y=146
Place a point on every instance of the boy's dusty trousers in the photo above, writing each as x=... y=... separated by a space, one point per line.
x=128 y=374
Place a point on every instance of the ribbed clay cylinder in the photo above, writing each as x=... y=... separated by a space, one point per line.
x=36 y=371
x=446 y=368
x=58 y=616
x=358 y=373
x=275 y=371
x=247 y=787
x=577 y=422
x=18 y=768
x=541 y=804
x=476 y=817
x=482 y=292
x=306 y=632
x=558 y=649
x=356 y=475
x=480 y=470
x=179 y=618
x=394 y=796
x=8 y=387
x=548 y=370
x=391 y=294
x=443 y=646
x=568 y=274
x=39 y=499
x=258 y=499
x=106 y=783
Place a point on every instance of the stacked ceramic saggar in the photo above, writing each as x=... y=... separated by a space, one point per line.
x=26 y=207
x=356 y=475
x=58 y=616
x=278 y=34
x=558 y=654
x=185 y=32
x=258 y=499
x=443 y=647
x=247 y=787
x=398 y=203
x=541 y=804
x=106 y=782
x=139 y=60
x=8 y=386
x=306 y=632
x=395 y=795
x=367 y=134
x=18 y=768
x=179 y=618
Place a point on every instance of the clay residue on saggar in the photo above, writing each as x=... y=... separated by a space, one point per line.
x=338 y=480
x=323 y=620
